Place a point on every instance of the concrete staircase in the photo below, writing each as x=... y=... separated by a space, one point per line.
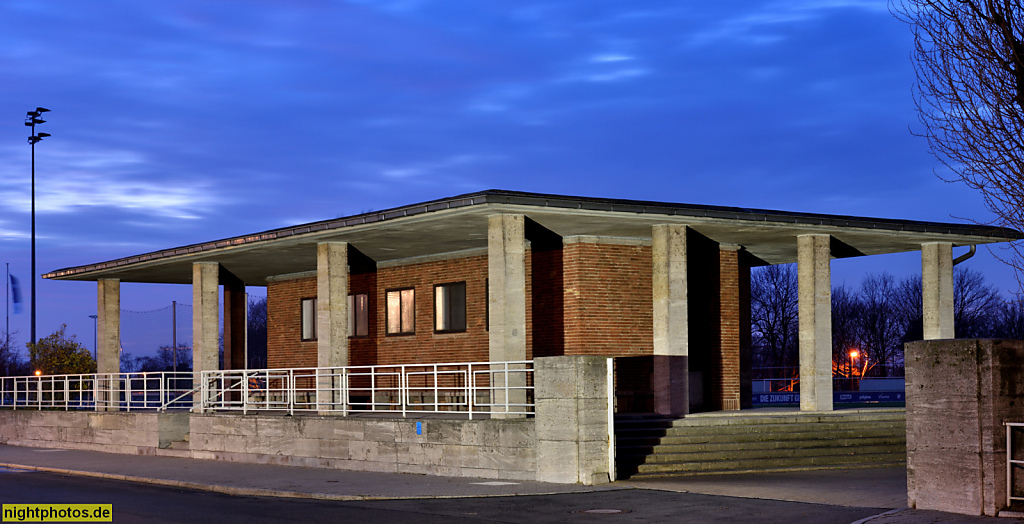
x=735 y=442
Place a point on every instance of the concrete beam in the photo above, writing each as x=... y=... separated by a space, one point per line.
x=937 y=290
x=108 y=334
x=670 y=379
x=205 y=319
x=815 y=308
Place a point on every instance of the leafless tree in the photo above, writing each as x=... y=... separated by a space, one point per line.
x=881 y=323
x=969 y=59
x=846 y=313
x=975 y=304
x=774 y=296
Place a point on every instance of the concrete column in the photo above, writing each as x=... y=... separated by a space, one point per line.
x=815 y=307
x=937 y=290
x=573 y=422
x=205 y=320
x=108 y=352
x=506 y=271
x=670 y=380
x=331 y=317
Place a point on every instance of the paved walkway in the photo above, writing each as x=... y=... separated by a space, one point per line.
x=872 y=488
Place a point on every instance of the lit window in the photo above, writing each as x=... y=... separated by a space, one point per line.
x=401 y=312
x=309 y=319
x=450 y=307
x=358 y=322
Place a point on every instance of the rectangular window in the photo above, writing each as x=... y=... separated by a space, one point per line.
x=309 y=319
x=450 y=307
x=358 y=322
x=401 y=311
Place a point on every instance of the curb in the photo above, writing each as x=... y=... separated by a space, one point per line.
x=261 y=492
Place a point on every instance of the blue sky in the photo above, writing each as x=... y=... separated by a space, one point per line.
x=185 y=121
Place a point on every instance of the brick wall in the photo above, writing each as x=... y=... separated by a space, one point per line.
x=607 y=299
x=285 y=348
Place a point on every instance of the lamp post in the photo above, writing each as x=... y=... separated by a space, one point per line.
x=31 y=119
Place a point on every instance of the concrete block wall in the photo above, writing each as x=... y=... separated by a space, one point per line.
x=110 y=432
x=959 y=393
x=572 y=420
x=459 y=448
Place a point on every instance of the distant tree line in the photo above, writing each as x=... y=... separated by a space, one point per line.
x=872 y=321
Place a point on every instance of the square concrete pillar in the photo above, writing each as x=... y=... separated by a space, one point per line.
x=574 y=422
x=205 y=320
x=670 y=380
x=814 y=273
x=937 y=290
x=959 y=394
x=331 y=318
x=108 y=351
x=506 y=272
x=234 y=320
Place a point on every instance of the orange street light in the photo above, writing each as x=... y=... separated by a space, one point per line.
x=38 y=372
x=854 y=353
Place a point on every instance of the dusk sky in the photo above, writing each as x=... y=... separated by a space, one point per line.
x=186 y=121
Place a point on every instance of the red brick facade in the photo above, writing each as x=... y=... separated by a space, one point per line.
x=587 y=298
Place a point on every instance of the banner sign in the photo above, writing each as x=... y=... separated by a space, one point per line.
x=838 y=397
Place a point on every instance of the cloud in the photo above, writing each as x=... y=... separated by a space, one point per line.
x=77 y=177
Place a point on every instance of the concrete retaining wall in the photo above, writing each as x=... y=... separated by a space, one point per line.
x=132 y=433
x=567 y=441
x=458 y=448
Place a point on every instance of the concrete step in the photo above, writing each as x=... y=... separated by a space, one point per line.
x=180 y=445
x=761 y=468
x=721 y=447
x=819 y=427
x=822 y=461
x=776 y=453
x=171 y=452
x=636 y=439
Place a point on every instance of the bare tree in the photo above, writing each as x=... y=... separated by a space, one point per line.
x=881 y=323
x=969 y=59
x=847 y=310
x=774 y=296
x=975 y=304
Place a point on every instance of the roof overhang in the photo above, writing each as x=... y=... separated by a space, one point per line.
x=459 y=224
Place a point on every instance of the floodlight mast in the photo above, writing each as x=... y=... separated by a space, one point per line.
x=31 y=119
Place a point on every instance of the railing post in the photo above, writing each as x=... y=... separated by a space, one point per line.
x=403 y=383
x=344 y=392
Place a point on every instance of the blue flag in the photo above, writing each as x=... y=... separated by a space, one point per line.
x=15 y=295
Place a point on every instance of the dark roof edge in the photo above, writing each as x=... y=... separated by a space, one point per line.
x=499 y=196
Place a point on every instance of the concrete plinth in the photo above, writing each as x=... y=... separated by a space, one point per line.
x=573 y=442
x=815 y=280
x=959 y=393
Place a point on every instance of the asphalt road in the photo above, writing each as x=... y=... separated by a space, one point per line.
x=147 y=503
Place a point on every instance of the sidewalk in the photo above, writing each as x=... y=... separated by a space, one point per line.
x=872 y=488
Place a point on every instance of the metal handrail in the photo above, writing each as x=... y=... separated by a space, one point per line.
x=469 y=388
x=1010 y=461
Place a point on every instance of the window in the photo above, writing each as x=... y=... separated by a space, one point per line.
x=309 y=319
x=401 y=312
x=450 y=307
x=358 y=323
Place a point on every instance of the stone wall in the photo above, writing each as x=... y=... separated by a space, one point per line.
x=458 y=448
x=131 y=433
x=959 y=393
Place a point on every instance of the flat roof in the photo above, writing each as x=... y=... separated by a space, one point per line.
x=459 y=223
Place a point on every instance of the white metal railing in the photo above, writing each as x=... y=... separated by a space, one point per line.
x=1010 y=461
x=469 y=388
x=96 y=391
